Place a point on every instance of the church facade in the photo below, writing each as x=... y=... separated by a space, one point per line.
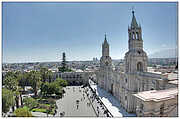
x=135 y=78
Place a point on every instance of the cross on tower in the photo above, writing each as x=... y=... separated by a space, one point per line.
x=133 y=9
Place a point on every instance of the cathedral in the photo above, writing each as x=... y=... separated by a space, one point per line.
x=135 y=78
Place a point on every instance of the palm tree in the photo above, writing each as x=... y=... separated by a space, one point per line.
x=43 y=72
x=49 y=76
x=35 y=78
x=11 y=83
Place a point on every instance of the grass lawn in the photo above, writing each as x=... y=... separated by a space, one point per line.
x=44 y=104
x=39 y=110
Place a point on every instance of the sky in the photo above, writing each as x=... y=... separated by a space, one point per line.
x=39 y=32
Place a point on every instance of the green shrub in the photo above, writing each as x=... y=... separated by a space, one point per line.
x=30 y=102
x=22 y=112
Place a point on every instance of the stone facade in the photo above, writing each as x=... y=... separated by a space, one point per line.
x=161 y=103
x=135 y=78
x=74 y=77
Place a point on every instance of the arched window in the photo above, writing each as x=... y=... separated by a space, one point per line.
x=129 y=35
x=133 y=36
x=137 y=35
x=106 y=63
x=139 y=66
x=139 y=52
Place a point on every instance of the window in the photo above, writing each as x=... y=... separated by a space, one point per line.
x=137 y=35
x=139 y=52
x=139 y=66
x=133 y=36
x=106 y=63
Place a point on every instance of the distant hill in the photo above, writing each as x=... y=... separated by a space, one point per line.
x=168 y=53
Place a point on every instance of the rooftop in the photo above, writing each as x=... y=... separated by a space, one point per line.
x=157 y=95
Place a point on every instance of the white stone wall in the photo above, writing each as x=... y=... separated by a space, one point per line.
x=152 y=108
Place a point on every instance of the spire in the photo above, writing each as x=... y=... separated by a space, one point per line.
x=134 y=23
x=105 y=41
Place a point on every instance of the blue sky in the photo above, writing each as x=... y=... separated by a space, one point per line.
x=42 y=31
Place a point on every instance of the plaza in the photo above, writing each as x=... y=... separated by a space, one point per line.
x=68 y=103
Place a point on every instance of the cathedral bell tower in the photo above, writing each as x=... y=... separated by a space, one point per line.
x=135 y=58
x=105 y=61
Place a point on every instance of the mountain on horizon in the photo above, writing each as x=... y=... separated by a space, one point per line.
x=168 y=53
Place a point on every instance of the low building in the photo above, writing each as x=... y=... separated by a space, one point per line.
x=157 y=103
x=74 y=78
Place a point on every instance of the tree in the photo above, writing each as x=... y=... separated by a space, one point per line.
x=51 y=88
x=8 y=100
x=64 y=67
x=35 y=79
x=24 y=80
x=43 y=73
x=22 y=112
x=44 y=88
x=30 y=102
x=61 y=82
x=11 y=83
x=46 y=74
x=64 y=61
x=49 y=76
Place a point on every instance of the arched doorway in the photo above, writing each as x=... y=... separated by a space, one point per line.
x=139 y=66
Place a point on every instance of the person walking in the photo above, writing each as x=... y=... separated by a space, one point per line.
x=77 y=106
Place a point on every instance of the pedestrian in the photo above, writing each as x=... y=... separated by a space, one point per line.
x=77 y=106
x=55 y=112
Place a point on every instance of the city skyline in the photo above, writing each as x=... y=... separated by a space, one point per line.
x=78 y=29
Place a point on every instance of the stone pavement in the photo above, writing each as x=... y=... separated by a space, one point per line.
x=68 y=103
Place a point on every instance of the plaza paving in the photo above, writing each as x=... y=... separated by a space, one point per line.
x=68 y=103
x=40 y=114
